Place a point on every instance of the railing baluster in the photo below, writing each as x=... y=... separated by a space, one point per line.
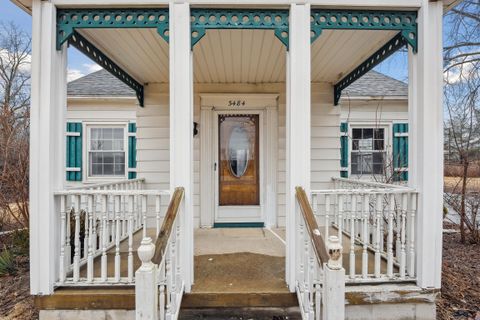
x=117 y=237
x=366 y=198
x=340 y=218
x=86 y=226
x=378 y=211
x=411 y=237
x=130 y=238
x=76 y=258
x=63 y=222
x=144 y=215
x=104 y=237
x=391 y=212
x=403 y=216
x=353 y=208
x=89 y=217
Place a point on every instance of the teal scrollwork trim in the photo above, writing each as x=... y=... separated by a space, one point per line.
x=380 y=55
x=403 y=21
x=70 y=19
x=86 y=47
x=203 y=19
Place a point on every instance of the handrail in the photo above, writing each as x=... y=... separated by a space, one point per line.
x=318 y=243
x=104 y=184
x=166 y=229
x=373 y=184
x=83 y=192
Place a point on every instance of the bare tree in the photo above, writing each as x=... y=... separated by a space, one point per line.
x=462 y=102
x=14 y=122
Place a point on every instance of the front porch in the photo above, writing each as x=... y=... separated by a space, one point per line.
x=237 y=124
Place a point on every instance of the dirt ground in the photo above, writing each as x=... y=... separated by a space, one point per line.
x=454 y=183
x=460 y=298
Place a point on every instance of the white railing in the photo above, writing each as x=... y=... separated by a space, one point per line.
x=320 y=277
x=97 y=230
x=159 y=283
x=130 y=184
x=376 y=223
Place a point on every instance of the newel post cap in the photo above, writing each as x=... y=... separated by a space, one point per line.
x=146 y=252
x=335 y=252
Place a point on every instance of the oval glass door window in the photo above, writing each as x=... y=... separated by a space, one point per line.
x=238 y=151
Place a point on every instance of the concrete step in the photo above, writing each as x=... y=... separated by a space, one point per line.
x=259 y=313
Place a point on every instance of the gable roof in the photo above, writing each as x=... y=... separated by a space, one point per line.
x=374 y=84
x=99 y=84
x=103 y=84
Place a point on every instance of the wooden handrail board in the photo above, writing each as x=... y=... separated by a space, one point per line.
x=318 y=243
x=166 y=229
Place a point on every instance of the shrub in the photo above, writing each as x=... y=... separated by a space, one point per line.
x=7 y=263
x=20 y=242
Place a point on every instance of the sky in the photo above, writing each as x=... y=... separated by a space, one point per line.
x=79 y=65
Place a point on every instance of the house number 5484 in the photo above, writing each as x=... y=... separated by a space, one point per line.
x=236 y=103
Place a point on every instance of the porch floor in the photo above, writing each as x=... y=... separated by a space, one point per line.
x=239 y=260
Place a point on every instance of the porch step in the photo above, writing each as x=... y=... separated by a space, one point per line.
x=292 y=313
x=239 y=300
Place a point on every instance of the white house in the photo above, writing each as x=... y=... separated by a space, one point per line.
x=237 y=125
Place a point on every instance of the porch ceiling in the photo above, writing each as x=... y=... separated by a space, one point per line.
x=236 y=56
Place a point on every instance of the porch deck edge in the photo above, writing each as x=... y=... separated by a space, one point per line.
x=82 y=298
x=389 y=294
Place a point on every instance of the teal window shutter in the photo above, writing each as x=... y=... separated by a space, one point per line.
x=400 y=151
x=74 y=151
x=132 y=150
x=344 y=150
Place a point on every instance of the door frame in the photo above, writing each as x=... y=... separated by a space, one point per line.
x=213 y=104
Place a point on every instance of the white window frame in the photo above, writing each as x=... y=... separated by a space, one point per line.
x=86 y=150
x=387 y=127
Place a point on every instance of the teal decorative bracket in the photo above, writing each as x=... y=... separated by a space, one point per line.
x=86 y=47
x=380 y=55
x=266 y=19
x=70 y=19
x=403 y=21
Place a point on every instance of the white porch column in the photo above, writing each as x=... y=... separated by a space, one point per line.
x=181 y=125
x=298 y=123
x=47 y=146
x=426 y=146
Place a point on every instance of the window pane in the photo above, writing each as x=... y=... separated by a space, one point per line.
x=108 y=157
x=118 y=133
x=378 y=168
x=96 y=170
x=365 y=144
x=378 y=157
x=119 y=157
x=96 y=133
x=118 y=145
x=355 y=144
x=367 y=133
x=119 y=169
x=356 y=133
x=378 y=133
x=107 y=133
x=379 y=145
x=108 y=169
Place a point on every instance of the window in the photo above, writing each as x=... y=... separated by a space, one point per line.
x=106 y=152
x=368 y=151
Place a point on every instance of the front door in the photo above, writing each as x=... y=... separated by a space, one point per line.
x=238 y=175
